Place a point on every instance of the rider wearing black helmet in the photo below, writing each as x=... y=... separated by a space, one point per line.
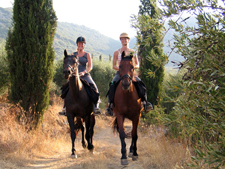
x=84 y=60
x=81 y=39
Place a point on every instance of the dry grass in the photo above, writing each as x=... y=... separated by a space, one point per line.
x=50 y=146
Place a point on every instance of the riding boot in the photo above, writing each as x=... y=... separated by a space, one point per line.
x=96 y=110
x=108 y=110
x=147 y=106
x=63 y=112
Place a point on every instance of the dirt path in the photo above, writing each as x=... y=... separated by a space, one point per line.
x=155 y=151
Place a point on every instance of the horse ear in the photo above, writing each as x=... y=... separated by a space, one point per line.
x=65 y=53
x=131 y=56
x=123 y=54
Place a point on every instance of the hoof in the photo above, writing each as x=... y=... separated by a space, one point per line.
x=134 y=158
x=90 y=147
x=124 y=162
x=84 y=145
x=74 y=156
x=91 y=151
x=130 y=155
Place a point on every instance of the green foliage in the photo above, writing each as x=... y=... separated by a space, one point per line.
x=59 y=79
x=199 y=112
x=152 y=59
x=172 y=88
x=30 y=55
x=4 y=70
x=102 y=73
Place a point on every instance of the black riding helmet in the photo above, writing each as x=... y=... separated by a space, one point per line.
x=81 y=39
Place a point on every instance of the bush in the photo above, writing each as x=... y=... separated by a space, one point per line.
x=4 y=71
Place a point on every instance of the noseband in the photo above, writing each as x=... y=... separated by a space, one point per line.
x=126 y=76
x=71 y=70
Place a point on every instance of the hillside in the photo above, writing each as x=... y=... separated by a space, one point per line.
x=97 y=44
x=5 y=21
x=67 y=33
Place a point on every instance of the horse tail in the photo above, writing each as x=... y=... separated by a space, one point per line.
x=78 y=124
x=115 y=126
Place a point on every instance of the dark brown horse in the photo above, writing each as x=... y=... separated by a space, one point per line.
x=127 y=105
x=77 y=103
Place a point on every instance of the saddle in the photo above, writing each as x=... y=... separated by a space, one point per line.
x=90 y=89
x=139 y=85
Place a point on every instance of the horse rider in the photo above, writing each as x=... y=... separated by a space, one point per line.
x=125 y=39
x=84 y=59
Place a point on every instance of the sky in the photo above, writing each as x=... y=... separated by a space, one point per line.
x=109 y=17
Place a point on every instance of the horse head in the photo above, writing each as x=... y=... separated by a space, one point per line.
x=70 y=65
x=126 y=70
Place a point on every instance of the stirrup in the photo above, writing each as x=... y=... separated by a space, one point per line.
x=63 y=112
x=97 y=111
x=147 y=106
x=108 y=112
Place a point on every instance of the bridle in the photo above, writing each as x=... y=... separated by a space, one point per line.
x=126 y=76
x=126 y=83
x=72 y=69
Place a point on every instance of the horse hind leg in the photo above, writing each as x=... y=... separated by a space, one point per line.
x=81 y=127
x=135 y=155
x=84 y=145
x=90 y=122
x=133 y=147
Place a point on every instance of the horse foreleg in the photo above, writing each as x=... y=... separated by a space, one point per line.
x=122 y=134
x=70 y=119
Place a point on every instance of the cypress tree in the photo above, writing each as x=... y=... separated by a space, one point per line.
x=30 y=54
x=149 y=39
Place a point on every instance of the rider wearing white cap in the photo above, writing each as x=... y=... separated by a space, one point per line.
x=124 y=39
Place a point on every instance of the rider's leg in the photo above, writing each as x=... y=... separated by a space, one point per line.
x=147 y=105
x=97 y=110
x=89 y=79
x=108 y=110
x=63 y=110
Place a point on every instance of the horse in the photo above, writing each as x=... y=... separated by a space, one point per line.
x=127 y=104
x=78 y=104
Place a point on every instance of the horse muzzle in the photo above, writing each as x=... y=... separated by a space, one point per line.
x=126 y=81
x=66 y=73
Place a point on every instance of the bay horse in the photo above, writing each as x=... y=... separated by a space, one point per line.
x=77 y=103
x=127 y=104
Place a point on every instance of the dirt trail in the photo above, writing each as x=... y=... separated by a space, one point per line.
x=154 y=150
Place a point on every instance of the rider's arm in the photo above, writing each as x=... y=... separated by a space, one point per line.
x=135 y=61
x=115 y=59
x=89 y=68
